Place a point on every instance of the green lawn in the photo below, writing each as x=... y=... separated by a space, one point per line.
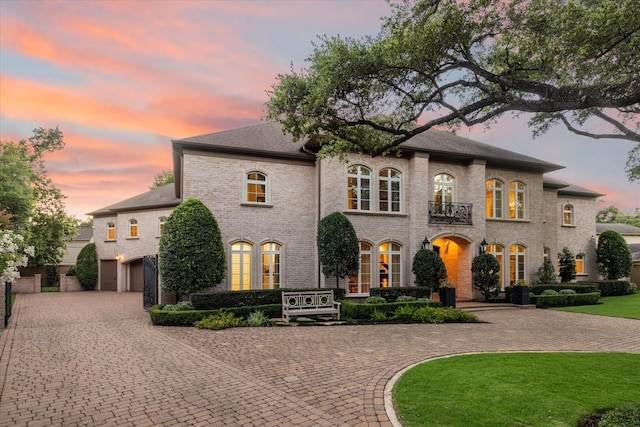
x=511 y=389
x=623 y=306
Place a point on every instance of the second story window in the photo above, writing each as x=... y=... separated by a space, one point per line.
x=494 y=198
x=358 y=188
x=256 y=187
x=443 y=190
x=516 y=200
x=133 y=228
x=111 y=231
x=567 y=214
x=389 y=181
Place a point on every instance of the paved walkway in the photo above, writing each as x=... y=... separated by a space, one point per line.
x=93 y=359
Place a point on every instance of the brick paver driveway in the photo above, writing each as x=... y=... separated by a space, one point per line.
x=92 y=358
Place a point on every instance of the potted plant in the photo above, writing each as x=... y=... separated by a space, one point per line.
x=447 y=293
x=520 y=293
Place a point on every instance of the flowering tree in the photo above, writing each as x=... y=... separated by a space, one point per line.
x=14 y=253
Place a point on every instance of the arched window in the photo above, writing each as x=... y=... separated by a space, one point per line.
x=256 y=187
x=390 y=264
x=241 y=266
x=111 y=231
x=358 y=188
x=389 y=184
x=494 y=198
x=545 y=254
x=498 y=252
x=361 y=284
x=517 y=263
x=516 y=200
x=443 y=187
x=567 y=214
x=271 y=265
x=133 y=228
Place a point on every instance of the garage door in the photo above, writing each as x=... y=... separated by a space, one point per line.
x=108 y=275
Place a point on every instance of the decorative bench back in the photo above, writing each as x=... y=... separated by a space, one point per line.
x=313 y=299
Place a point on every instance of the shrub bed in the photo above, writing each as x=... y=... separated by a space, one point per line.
x=563 y=300
x=160 y=317
x=216 y=300
x=392 y=294
x=357 y=311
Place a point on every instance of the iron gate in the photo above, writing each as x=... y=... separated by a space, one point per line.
x=150 y=280
x=7 y=303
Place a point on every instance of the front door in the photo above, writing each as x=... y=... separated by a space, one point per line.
x=108 y=275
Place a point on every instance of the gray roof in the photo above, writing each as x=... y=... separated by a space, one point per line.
x=268 y=139
x=160 y=197
x=624 y=229
x=84 y=233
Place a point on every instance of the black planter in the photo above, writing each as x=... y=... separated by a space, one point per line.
x=520 y=295
x=447 y=297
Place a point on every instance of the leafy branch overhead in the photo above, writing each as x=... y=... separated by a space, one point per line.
x=442 y=63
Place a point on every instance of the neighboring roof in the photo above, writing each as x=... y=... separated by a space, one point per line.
x=84 y=233
x=160 y=197
x=624 y=229
x=268 y=139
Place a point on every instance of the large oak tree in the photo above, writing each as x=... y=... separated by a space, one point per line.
x=447 y=63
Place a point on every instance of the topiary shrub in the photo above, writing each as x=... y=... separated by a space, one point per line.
x=485 y=271
x=181 y=306
x=566 y=292
x=567 y=263
x=442 y=315
x=87 y=267
x=613 y=256
x=405 y=298
x=338 y=247
x=191 y=254
x=429 y=269
x=549 y=292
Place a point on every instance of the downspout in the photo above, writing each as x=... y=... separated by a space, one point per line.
x=318 y=190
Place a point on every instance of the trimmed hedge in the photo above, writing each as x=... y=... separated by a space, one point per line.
x=226 y=299
x=354 y=310
x=392 y=294
x=563 y=300
x=580 y=288
x=160 y=317
x=612 y=288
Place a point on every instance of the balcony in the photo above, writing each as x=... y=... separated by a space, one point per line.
x=450 y=213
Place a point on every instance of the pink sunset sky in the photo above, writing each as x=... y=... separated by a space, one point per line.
x=123 y=78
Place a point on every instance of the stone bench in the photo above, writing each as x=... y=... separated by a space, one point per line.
x=309 y=303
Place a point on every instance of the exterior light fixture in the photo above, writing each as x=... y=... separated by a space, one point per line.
x=483 y=246
x=425 y=243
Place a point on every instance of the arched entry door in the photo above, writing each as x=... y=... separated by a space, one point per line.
x=456 y=253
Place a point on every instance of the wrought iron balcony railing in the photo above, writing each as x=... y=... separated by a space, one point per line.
x=450 y=213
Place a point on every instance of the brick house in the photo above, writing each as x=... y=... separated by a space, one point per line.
x=268 y=194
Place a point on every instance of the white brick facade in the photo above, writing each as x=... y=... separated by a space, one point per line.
x=300 y=191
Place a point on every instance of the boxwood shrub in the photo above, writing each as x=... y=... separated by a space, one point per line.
x=354 y=310
x=216 y=300
x=563 y=300
x=392 y=294
x=580 y=288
